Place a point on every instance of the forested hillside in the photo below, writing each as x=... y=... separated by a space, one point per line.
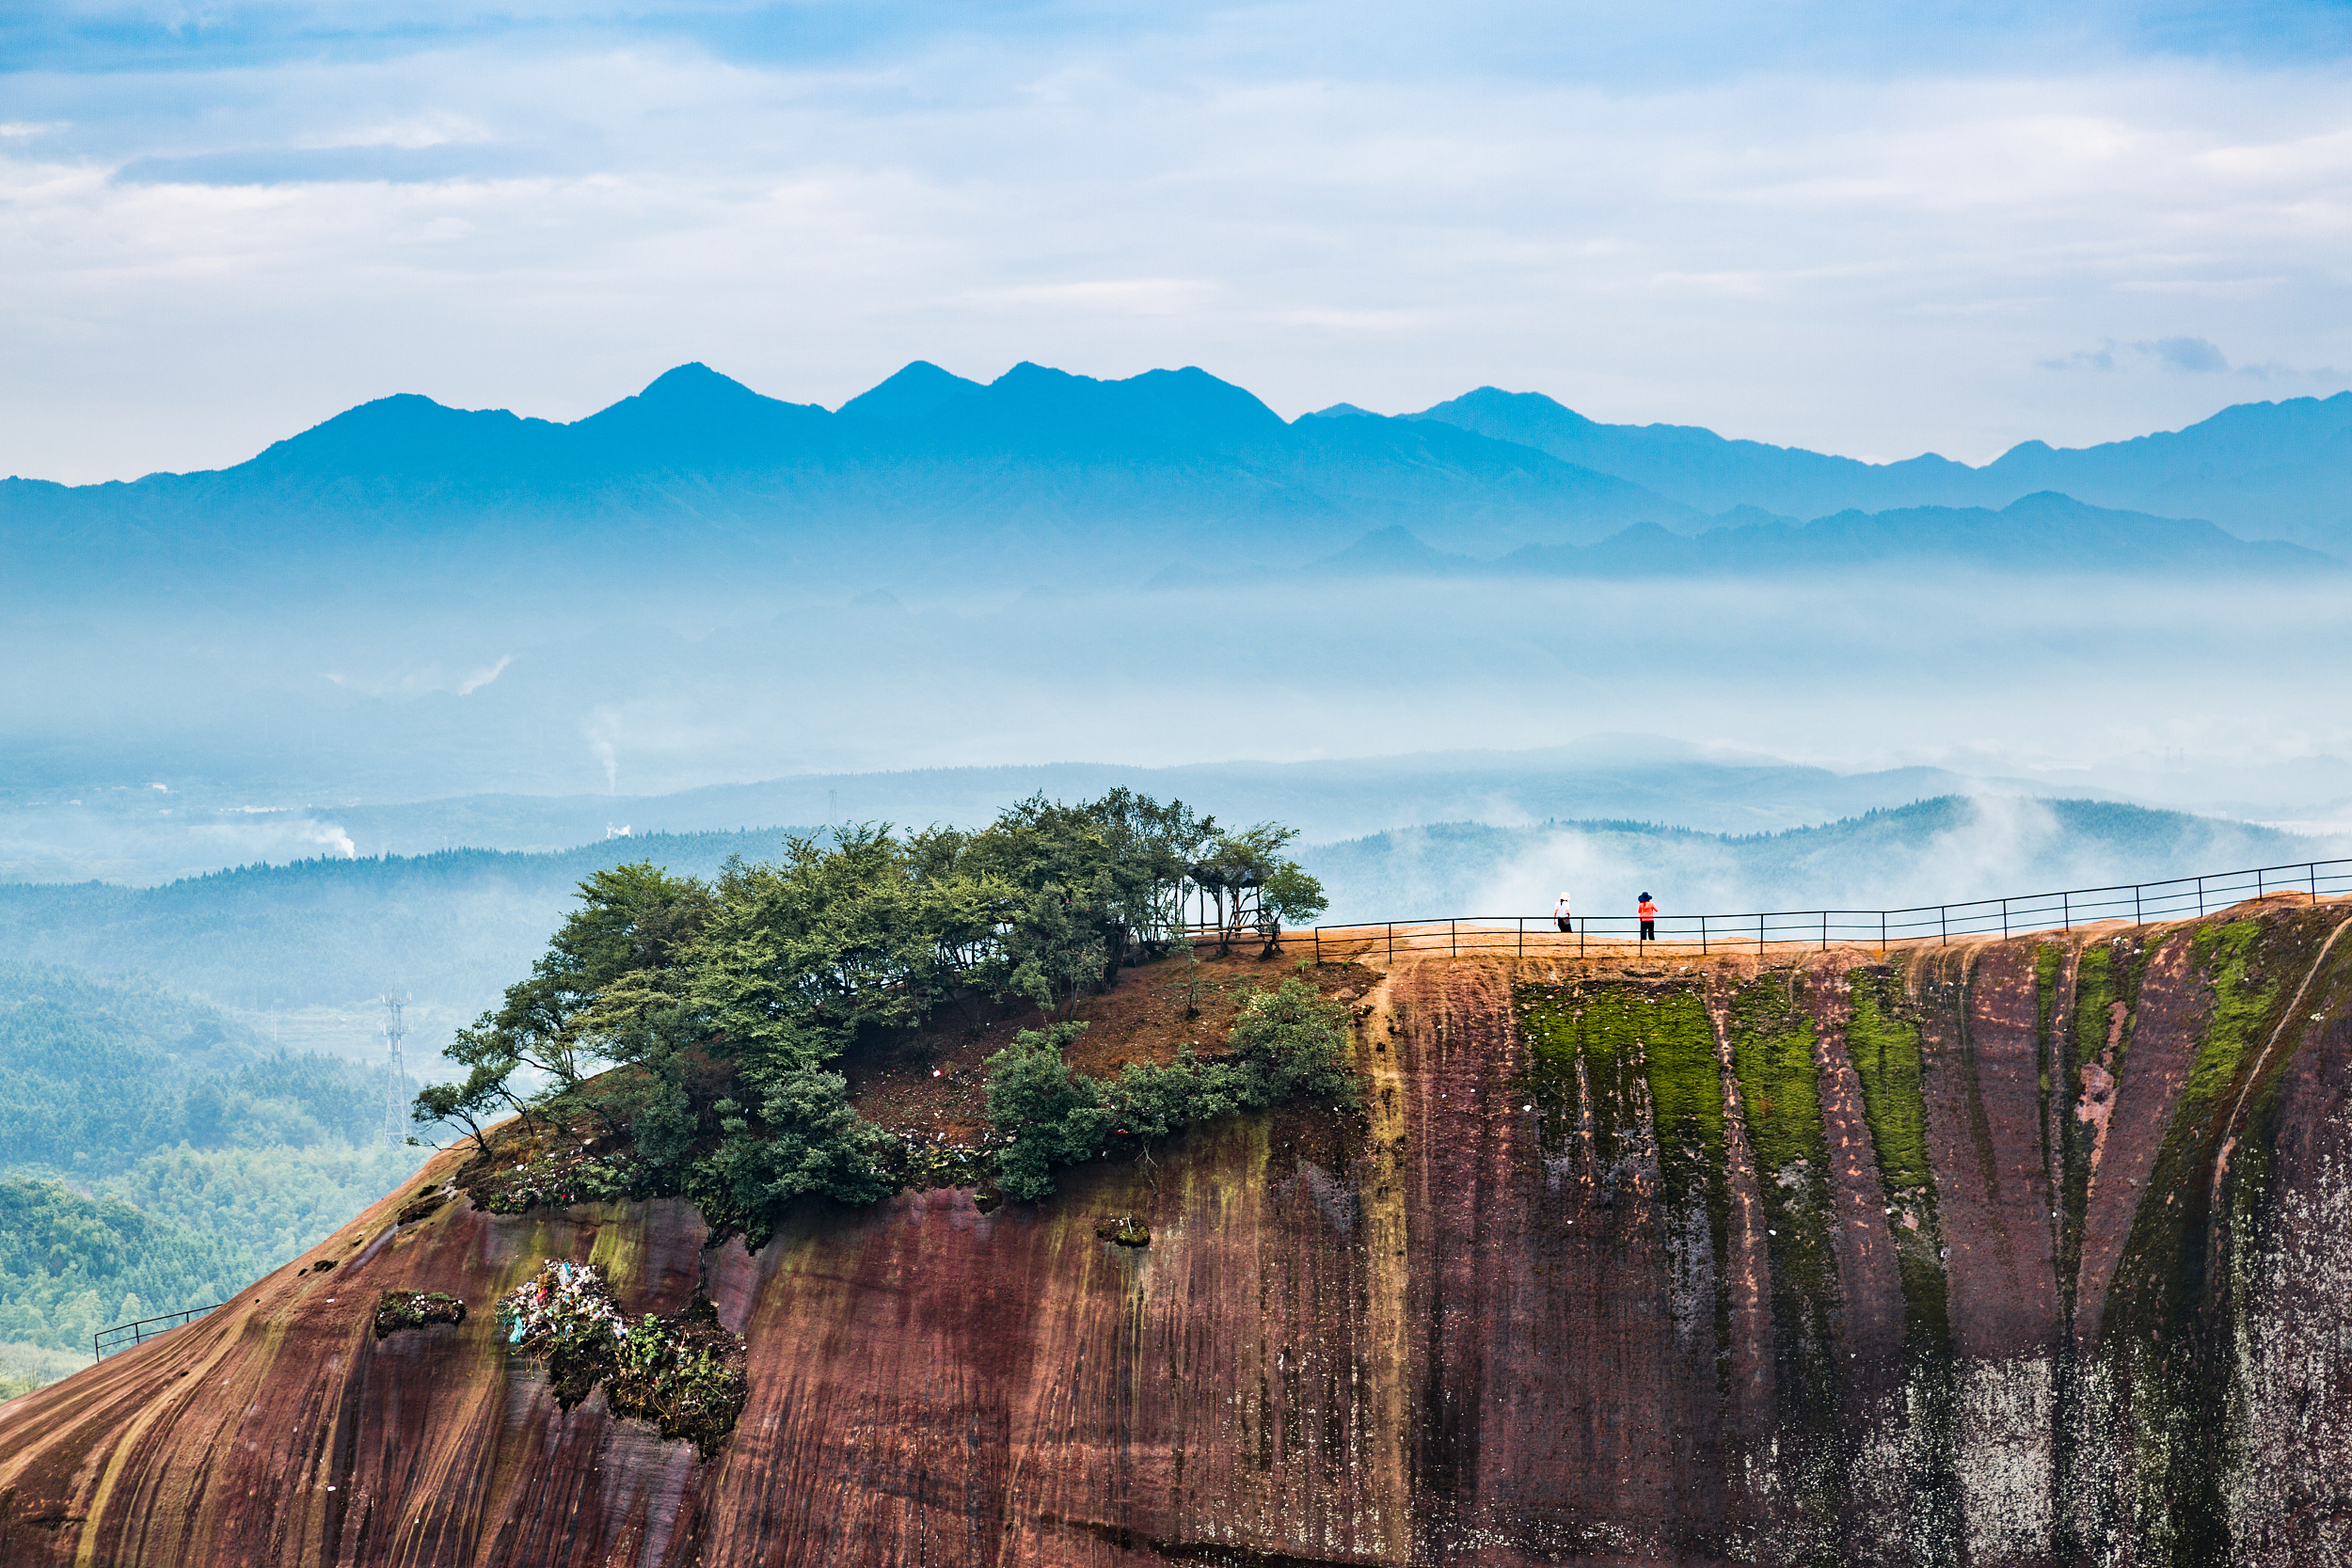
x=154 y=1155
x=454 y=924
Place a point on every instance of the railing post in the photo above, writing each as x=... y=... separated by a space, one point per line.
x=1318 y=947
x=1882 y=933
x=1944 y=919
x=1522 y=936
x=2136 y=919
x=1759 y=936
x=1453 y=943
x=1392 y=942
x=2065 y=914
x=2200 y=897
x=1825 y=930
x=2313 y=871
x=2258 y=881
x=2004 y=920
x=1702 y=936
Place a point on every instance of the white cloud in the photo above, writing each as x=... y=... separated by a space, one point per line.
x=1865 y=244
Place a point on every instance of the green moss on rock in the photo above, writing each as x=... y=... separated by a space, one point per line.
x=1772 y=1043
x=1887 y=1044
x=1634 y=1068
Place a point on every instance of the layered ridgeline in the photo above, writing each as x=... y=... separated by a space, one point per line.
x=2030 y=1252
x=314 y=942
x=934 y=481
x=2265 y=470
x=157 y=1155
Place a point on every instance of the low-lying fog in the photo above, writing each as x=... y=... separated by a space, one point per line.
x=2213 y=698
x=340 y=733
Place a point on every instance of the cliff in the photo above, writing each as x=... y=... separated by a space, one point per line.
x=2027 y=1252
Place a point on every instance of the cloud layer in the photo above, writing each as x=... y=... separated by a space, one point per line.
x=1866 y=230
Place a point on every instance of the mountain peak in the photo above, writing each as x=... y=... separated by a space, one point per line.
x=692 y=414
x=1510 y=415
x=694 y=383
x=1180 y=407
x=922 y=388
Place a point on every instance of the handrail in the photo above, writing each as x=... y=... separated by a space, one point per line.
x=121 y=1337
x=2132 y=903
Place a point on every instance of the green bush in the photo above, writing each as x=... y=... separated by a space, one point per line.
x=1290 y=1042
x=1287 y=1043
x=1046 y=1115
x=799 y=1137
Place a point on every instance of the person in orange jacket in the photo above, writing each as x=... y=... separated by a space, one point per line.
x=1648 y=911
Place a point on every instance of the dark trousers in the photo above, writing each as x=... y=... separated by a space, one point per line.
x=1649 y=929
x=1563 y=924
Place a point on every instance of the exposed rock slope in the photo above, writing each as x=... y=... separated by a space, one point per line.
x=2020 y=1252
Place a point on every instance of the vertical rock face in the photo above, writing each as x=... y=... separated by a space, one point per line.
x=2034 y=1252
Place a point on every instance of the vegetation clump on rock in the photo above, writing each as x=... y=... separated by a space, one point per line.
x=1286 y=1043
x=684 y=1373
x=399 y=1310
x=681 y=1032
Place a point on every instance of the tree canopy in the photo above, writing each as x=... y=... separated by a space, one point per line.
x=722 y=1002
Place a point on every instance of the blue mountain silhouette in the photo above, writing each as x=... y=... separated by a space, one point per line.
x=2281 y=470
x=1043 y=475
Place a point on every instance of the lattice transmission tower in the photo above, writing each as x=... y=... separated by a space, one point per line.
x=395 y=1075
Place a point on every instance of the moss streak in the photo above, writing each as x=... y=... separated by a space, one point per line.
x=1882 y=1039
x=1773 y=1060
x=1623 y=1069
x=2160 y=1321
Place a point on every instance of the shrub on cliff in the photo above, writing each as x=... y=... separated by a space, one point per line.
x=397 y=1312
x=797 y=1135
x=1047 y=1115
x=1290 y=1042
x=685 y=1373
x=1287 y=1043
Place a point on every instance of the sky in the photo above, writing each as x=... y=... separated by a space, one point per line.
x=1868 y=229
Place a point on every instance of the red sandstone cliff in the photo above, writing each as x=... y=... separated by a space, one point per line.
x=2025 y=1252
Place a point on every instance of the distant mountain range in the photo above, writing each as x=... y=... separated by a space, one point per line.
x=927 y=479
x=141 y=836
x=2264 y=470
x=931 y=480
x=2044 y=533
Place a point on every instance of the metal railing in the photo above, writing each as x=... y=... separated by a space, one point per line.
x=2132 y=903
x=124 y=1335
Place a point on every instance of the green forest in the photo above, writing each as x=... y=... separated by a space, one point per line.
x=158 y=1157
x=455 y=923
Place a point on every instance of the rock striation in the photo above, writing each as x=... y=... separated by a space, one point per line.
x=2025 y=1252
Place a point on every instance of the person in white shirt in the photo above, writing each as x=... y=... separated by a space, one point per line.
x=1560 y=912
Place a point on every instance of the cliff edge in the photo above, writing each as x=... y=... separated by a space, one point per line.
x=2023 y=1252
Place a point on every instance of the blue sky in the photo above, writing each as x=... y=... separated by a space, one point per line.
x=1868 y=230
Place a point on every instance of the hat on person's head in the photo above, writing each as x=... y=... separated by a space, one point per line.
x=1645 y=895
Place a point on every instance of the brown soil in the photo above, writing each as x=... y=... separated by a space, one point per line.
x=932 y=1082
